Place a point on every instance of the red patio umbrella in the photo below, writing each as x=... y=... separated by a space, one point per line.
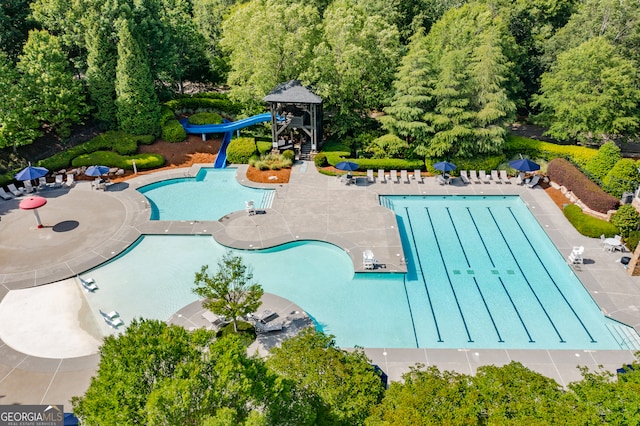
x=32 y=203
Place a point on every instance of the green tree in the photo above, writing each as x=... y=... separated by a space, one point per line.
x=208 y=16
x=267 y=44
x=230 y=292
x=343 y=385
x=15 y=24
x=623 y=177
x=138 y=110
x=600 y=164
x=354 y=64
x=590 y=94
x=47 y=78
x=626 y=219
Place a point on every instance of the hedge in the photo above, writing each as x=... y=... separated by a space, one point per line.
x=240 y=150
x=566 y=174
x=113 y=159
x=533 y=148
x=166 y=114
x=491 y=162
x=120 y=142
x=173 y=131
x=202 y=102
x=201 y=118
x=336 y=153
x=588 y=226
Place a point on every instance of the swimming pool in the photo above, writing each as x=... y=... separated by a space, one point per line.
x=481 y=274
x=210 y=195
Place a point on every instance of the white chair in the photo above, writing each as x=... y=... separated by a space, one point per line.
x=5 y=195
x=504 y=177
x=42 y=183
x=271 y=326
x=58 y=182
x=464 y=177
x=473 y=176
x=403 y=176
x=249 y=207
x=12 y=188
x=370 y=176
x=484 y=177
x=393 y=176
x=417 y=176
x=88 y=284
x=441 y=180
x=520 y=178
x=534 y=181
x=494 y=176
x=214 y=320
x=368 y=260
x=114 y=323
x=381 y=176
x=111 y=315
x=70 y=180
x=576 y=255
x=28 y=187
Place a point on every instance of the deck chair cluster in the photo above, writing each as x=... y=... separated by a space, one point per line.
x=404 y=177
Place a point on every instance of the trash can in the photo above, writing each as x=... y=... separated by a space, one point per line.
x=627 y=198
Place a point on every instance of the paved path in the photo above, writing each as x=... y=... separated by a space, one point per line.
x=87 y=227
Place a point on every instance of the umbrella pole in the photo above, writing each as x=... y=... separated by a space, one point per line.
x=35 y=212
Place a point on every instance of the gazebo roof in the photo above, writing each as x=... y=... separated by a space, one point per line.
x=292 y=92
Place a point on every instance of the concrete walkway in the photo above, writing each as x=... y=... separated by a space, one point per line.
x=84 y=228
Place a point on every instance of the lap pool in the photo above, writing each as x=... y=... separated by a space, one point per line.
x=481 y=274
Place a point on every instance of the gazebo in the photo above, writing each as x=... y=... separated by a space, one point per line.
x=296 y=118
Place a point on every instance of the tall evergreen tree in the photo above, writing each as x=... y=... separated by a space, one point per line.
x=137 y=105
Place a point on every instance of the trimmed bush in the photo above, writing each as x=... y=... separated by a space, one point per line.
x=289 y=154
x=241 y=150
x=166 y=114
x=566 y=174
x=263 y=147
x=632 y=240
x=532 y=148
x=626 y=219
x=487 y=163
x=205 y=118
x=601 y=163
x=320 y=160
x=173 y=131
x=623 y=177
x=271 y=162
x=113 y=159
x=588 y=226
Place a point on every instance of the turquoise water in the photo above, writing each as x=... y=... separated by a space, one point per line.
x=212 y=194
x=481 y=274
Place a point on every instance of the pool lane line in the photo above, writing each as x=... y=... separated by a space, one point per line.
x=551 y=278
x=424 y=280
x=515 y=308
x=413 y=324
x=484 y=301
x=525 y=277
x=455 y=229
x=446 y=271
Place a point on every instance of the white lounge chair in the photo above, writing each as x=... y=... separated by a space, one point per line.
x=89 y=284
x=473 y=176
x=464 y=177
x=368 y=260
x=57 y=183
x=250 y=207
x=576 y=255
x=114 y=323
x=504 y=177
x=441 y=180
x=70 y=180
x=494 y=176
x=417 y=176
x=111 y=315
x=484 y=177
x=28 y=187
x=393 y=176
x=5 y=195
x=216 y=321
x=520 y=178
x=403 y=176
x=12 y=188
x=381 y=176
x=268 y=327
x=265 y=316
x=370 y=178
x=534 y=181
x=42 y=183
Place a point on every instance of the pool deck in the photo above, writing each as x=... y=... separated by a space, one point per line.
x=85 y=227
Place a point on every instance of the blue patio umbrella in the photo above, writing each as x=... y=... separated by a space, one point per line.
x=524 y=165
x=31 y=173
x=347 y=166
x=444 y=166
x=96 y=170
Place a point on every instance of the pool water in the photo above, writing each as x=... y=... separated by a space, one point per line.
x=481 y=274
x=210 y=195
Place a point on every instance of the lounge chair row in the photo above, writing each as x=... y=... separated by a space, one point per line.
x=28 y=188
x=498 y=176
x=405 y=176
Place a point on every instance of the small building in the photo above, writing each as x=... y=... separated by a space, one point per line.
x=296 y=118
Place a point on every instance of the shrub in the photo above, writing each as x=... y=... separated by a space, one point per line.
x=601 y=163
x=204 y=102
x=172 y=131
x=320 y=160
x=588 y=225
x=564 y=173
x=205 y=118
x=631 y=241
x=491 y=162
x=626 y=219
x=144 y=139
x=166 y=114
x=263 y=147
x=386 y=146
x=623 y=177
x=113 y=159
x=289 y=154
x=271 y=162
x=532 y=148
x=241 y=150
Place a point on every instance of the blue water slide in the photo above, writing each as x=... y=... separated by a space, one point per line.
x=227 y=128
